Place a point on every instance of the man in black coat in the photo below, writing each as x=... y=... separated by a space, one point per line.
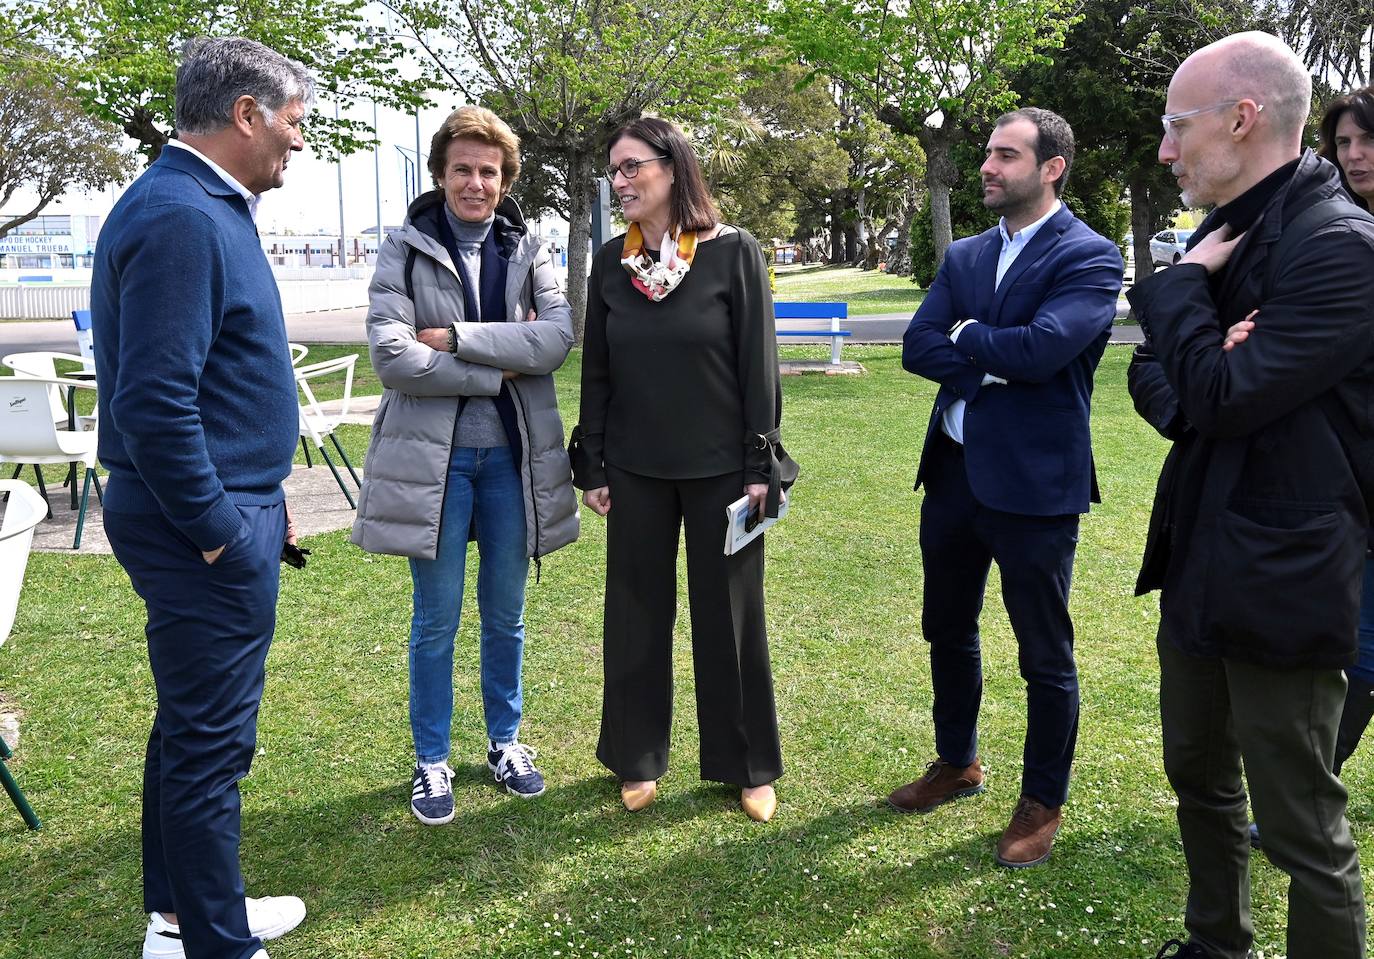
x=1257 y=537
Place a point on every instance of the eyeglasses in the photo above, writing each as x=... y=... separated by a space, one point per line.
x=1169 y=119
x=630 y=168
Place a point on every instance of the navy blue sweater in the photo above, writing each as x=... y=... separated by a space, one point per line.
x=198 y=406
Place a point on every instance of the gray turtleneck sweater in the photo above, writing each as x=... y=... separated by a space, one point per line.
x=480 y=425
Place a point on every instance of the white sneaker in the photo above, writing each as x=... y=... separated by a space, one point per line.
x=268 y=918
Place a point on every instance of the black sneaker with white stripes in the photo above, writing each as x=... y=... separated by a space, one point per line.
x=513 y=767
x=431 y=794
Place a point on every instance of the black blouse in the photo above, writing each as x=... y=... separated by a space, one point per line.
x=679 y=389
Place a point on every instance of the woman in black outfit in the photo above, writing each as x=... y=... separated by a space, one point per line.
x=680 y=401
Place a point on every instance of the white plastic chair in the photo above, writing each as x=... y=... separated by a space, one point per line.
x=298 y=351
x=29 y=436
x=316 y=424
x=24 y=511
x=41 y=364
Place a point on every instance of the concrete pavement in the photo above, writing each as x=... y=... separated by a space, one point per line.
x=348 y=326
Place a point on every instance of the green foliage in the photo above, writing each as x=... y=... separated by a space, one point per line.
x=1110 y=81
x=122 y=56
x=1095 y=194
x=48 y=145
x=780 y=143
x=910 y=61
x=926 y=69
x=1092 y=194
x=967 y=215
x=566 y=75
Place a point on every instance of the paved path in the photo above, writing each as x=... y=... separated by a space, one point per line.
x=333 y=326
x=317 y=506
x=347 y=326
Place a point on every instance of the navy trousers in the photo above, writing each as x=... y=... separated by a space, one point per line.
x=209 y=628
x=959 y=540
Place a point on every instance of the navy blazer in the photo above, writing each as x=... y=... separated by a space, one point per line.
x=1027 y=445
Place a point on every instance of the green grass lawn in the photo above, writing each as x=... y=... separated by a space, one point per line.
x=866 y=291
x=836 y=874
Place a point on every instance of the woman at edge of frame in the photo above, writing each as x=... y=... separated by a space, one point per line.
x=1347 y=140
x=679 y=413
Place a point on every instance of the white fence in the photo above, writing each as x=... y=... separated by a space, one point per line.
x=42 y=301
x=302 y=291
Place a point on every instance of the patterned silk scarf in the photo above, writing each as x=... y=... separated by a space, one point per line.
x=657 y=279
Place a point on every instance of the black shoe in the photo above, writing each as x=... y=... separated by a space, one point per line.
x=1182 y=950
x=1254 y=836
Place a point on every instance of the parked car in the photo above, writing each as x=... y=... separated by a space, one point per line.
x=1168 y=246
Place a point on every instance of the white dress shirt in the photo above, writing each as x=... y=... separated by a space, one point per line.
x=952 y=420
x=250 y=198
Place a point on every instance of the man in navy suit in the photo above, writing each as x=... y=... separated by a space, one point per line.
x=1011 y=330
x=198 y=425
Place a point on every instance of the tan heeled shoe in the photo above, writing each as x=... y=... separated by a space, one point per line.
x=637 y=796
x=761 y=807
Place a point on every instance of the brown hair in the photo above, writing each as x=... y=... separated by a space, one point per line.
x=1053 y=138
x=480 y=124
x=690 y=206
x=1360 y=103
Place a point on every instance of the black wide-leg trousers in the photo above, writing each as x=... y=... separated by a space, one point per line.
x=734 y=683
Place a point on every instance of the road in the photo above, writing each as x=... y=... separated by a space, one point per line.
x=347 y=326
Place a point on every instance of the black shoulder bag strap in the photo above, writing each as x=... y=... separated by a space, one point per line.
x=1358 y=446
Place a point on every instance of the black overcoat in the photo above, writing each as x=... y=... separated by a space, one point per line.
x=1258 y=532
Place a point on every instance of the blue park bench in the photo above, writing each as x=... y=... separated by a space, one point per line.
x=834 y=312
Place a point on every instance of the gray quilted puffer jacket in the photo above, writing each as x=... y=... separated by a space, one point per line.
x=407 y=459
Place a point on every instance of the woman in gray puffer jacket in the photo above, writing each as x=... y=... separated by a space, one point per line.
x=466 y=325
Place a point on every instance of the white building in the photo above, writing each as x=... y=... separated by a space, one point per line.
x=50 y=242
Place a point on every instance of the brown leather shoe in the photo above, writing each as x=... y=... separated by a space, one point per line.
x=1030 y=834
x=941 y=783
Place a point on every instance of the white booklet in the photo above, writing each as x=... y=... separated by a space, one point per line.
x=743 y=527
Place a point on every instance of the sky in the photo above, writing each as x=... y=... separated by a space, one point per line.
x=309 y=202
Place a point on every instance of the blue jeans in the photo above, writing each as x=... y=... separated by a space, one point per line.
x=484 y=491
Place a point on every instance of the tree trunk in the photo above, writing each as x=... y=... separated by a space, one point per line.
x=940 y=176
x=941 y=230
x=860 y=257
x=581 y=199
x=18 y=221
x=899 y=262
x=1142 y=223
x=140 y=126
x=836 y=227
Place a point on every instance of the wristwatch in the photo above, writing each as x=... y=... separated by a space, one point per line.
x=452 y=339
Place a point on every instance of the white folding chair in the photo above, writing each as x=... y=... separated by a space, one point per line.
x=41 y=365
x=29 y=436
x=24 y=511
x=316 y=424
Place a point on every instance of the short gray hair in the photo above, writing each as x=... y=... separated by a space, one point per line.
x=215 y=72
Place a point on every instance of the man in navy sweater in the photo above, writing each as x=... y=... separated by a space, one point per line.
x=198 y=425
